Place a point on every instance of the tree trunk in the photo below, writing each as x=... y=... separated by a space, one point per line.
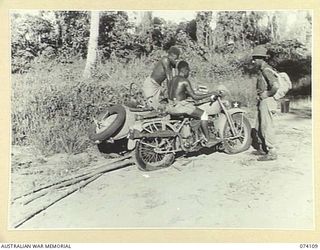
x=93 y=45
x=270 y=20
x=146 y=21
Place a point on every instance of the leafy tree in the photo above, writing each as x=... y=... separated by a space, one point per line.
x=191 y=29
x=229 y=27
x=115 y=40
x=73 y=33
x=30 y=36
x=203 y=30
x=241 y=28
x=253 y=31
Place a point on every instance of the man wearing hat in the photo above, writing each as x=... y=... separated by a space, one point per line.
x=267 y=86
x=162 y=71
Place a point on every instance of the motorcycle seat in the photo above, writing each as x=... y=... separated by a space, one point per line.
x=140 y=109
x=149 y=115
x=179 y=116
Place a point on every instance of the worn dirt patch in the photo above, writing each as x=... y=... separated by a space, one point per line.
x=205 y=191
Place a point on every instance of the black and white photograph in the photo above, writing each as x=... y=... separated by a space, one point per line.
x=161 y=119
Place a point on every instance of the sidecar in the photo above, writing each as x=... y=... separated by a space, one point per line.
x=114 y=123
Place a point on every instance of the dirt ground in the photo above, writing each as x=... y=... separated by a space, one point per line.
x=205 y=191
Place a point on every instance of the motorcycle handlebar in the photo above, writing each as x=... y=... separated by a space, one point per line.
x=216 y=96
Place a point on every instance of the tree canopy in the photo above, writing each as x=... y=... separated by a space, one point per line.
x=64 y=35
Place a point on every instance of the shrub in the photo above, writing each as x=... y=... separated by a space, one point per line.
x=53 y=107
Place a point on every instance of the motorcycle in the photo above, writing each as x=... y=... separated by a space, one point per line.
x=155 y=138
x=155 y=142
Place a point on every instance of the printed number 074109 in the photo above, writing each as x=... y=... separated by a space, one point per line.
x=312 y=246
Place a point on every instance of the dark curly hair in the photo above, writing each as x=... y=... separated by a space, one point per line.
x=183 y=65
x=174 y=50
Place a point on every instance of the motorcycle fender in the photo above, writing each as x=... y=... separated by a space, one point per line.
x=236 y=110
x=139 y=126
x=222 y=119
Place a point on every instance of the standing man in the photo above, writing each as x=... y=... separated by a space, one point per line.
x=162 y=71
x=267 y=87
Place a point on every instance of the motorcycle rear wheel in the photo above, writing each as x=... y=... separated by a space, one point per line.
x=241 y=144
x=144 y=153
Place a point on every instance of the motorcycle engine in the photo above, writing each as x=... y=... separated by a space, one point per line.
x=185 y=131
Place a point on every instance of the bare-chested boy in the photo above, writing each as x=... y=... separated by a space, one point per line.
x=163 y=70
x=179 y=90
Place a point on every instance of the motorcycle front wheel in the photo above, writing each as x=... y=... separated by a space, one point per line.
x=243 y=129
x=146 y=153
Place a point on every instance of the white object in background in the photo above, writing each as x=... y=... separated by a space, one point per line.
x=202 y=89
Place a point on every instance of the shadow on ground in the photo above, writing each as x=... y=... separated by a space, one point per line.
x=303 y=113
x=118 y=147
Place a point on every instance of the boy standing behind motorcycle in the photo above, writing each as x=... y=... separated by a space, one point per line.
x=178 y=92
x=163 y=70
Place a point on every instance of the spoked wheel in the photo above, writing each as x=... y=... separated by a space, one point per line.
x=154 y=153
x=243 y=129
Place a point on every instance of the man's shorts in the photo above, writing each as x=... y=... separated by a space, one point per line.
x=181 y=107
x=152 y=91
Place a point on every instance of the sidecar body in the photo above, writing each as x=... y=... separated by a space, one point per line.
x=114 y=123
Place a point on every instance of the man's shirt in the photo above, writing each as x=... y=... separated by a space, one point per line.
x=267 y=80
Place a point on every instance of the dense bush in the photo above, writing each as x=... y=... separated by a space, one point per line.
x=52 y=106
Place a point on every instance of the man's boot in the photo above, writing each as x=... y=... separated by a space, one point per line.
x=209 y=141
x=270 y=156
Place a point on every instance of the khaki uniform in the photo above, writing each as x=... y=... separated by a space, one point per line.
x=267 y=81
x=181 y=107
x=265 y=122
x=188 y=107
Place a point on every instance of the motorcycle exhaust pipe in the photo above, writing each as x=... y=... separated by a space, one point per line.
x=136 y=134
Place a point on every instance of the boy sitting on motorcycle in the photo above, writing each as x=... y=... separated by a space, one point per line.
x=178 y=92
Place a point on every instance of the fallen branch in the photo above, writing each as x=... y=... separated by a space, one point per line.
x=100 y=170
x=82 y=183
x=48 y=190
x=70 y=179
x=31 y=215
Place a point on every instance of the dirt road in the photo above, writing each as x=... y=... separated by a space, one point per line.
x=206 y=191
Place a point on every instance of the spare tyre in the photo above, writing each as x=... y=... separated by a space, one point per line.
x=108 y=124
